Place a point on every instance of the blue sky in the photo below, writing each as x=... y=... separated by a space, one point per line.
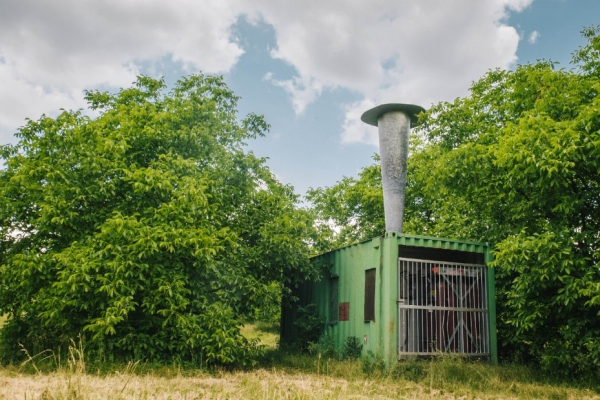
x=310 y=67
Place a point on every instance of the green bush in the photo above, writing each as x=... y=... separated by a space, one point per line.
x=372 y=364
x=148 y=229
x=325 y=347
x=309 y=327
x=412 y=370
x=352 y=348
x=269 y=308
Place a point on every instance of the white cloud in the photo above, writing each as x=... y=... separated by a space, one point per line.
x=51 y=51
x=386 y=51
x=533 y=37
x=411 y=52
x=20 y=98
x=302 y=90
x=355 y=131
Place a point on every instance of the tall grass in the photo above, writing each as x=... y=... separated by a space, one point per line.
x=296 y=377
x=282 y=376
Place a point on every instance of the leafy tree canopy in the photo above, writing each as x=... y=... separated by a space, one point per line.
x=148 y=228
x=516 y=164
x=352 y=209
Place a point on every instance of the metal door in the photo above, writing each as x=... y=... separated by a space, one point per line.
x=442 y=308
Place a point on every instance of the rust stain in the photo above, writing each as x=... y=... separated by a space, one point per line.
x=344 y=311
x=392 y=326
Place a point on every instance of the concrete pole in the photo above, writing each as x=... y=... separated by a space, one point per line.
x=394 y=122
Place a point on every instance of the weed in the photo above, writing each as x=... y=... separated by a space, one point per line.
x=324 y=347
x=30 y=361
x=411 y=370
x=76 y=361
x=294 y=376
x=289 y=375
x=352 y=348
x=309 y=327
x=372 y=365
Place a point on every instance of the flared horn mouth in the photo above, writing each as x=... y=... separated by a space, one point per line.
x=394 y=121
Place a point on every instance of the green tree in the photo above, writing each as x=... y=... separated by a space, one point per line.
x=517 y=164
x=353 y=207
x=148 y=229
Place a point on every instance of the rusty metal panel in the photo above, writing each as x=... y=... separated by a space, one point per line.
x=345 y=311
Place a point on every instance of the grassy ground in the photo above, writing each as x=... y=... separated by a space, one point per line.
x=296 y=378
x=268 y=334
x=285 y=376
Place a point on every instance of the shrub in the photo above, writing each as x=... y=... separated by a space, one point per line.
x=352 y=348
x=309 y=327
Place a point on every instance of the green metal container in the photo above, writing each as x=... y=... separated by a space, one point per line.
x=404 y=296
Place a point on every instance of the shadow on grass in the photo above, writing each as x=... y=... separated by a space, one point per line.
x=267 y=327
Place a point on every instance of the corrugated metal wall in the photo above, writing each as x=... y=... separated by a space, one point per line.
x=346 y=282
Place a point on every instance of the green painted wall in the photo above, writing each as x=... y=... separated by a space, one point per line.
x=349 y=265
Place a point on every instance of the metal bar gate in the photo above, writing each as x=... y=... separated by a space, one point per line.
x=442 y=308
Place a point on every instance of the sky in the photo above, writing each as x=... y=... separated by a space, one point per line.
x=311 y=67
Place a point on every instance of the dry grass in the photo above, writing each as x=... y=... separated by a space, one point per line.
x=258 y=384
x=284 y=376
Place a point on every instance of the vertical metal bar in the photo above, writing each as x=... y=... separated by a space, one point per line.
x=427 y=303
x=445 y=310
x=415 y=302
x=403 y=292
x=461 y=314
x=418 y=326
x=412 y=311
x=481 y=315
x=484 y=305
